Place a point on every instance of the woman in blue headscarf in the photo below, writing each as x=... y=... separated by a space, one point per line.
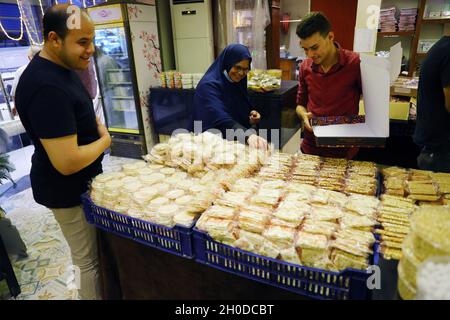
x=221 y=100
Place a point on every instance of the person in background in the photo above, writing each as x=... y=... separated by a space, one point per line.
x=221 y=100
x=329 y=82
x=89 y=79
x=31 y=53
x=104 y=63
x=58 y=115
x=432 y=131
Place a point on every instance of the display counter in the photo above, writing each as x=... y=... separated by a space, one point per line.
x=131 y=270
x=277 y=109
x=173 y=109
x=285 y=226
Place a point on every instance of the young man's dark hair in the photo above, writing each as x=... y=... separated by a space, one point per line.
x=313 y=22
x=55 y=19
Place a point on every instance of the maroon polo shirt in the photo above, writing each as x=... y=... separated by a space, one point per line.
x=335 y=93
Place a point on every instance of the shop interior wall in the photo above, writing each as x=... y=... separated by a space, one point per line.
x=296 y=9
x=165 y=34
x=220 y=18
x=342 y=15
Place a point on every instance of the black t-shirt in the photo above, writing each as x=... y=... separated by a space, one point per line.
x=433 y=119
x=52 y=102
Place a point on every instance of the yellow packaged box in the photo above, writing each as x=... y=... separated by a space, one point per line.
x=398 y=110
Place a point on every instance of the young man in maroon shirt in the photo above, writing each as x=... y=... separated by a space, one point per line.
x=330 y=82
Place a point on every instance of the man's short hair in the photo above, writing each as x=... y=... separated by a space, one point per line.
x=55 y=19
x=313 y=22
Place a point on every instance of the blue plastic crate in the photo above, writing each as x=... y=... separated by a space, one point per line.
x=349 y=284
x=176 y=240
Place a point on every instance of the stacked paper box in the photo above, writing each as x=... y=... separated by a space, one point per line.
x=407 y=19
x=388 y=20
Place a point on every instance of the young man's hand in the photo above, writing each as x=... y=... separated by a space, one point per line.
x=305 y=116
x=103 y=131
x=255 y=117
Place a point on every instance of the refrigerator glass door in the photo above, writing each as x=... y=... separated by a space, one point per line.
x=115 y=80
x=6 y=105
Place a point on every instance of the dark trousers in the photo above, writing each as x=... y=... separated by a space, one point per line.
x=434 y=161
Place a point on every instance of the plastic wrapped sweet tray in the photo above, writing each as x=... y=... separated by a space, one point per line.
x=409 y=261
x=176 y=240
x=406 y=290
x=349 y=284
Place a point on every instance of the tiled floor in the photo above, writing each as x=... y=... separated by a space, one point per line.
x=47 y=272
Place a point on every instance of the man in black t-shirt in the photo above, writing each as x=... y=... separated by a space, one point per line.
x=58 y=115
x=433 y=109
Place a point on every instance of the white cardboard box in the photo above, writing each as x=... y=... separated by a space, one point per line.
x=377 y=74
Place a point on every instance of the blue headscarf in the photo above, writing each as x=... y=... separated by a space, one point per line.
x=218 y=102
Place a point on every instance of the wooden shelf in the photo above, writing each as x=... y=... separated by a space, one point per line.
x=436 y=21
x=398 y=34
x=415 y=57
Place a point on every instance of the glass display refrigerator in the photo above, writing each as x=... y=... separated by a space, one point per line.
x=128 y=64
x=12 y=132
x=11 y=59
x=5 y=98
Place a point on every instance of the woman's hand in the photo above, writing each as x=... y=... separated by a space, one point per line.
x=255 y=117
x=257 y=142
